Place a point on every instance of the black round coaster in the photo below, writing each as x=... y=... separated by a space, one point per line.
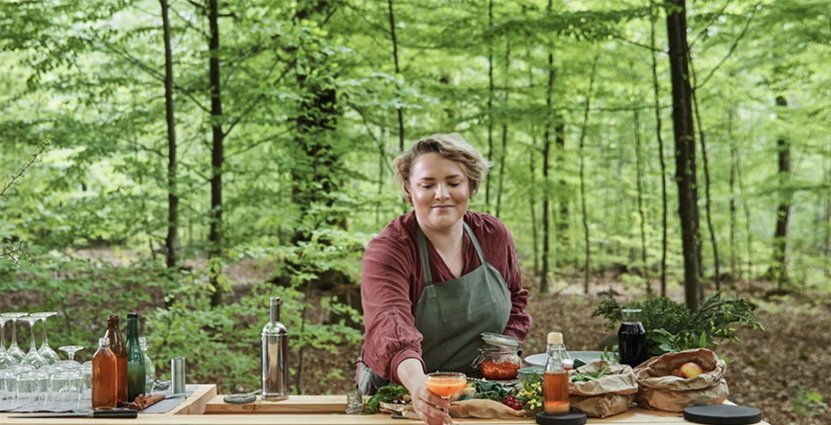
x=565 y=419
x=722 y=414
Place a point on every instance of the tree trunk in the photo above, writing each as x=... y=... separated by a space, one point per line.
x=707 y=199
x=585 y=212
x=747 y=219
x=490 y=108
x=779 y=268
x=685 y=171
x=504 y=151
x=735 y=272
x=533 y=201
x=563 y=194
x=217 y=155
x=639 y=185
x=399 y=110
x=546 y=151
x=172 y=196
x=657 y=100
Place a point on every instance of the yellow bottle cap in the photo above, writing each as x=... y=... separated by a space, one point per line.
x=555 y=338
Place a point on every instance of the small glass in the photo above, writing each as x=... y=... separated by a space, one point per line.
x=354 y=402
x=14 y=349
x=33 y=357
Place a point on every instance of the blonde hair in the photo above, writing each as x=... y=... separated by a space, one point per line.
x=450 y=146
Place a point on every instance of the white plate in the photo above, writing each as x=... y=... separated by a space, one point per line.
x=586 y=356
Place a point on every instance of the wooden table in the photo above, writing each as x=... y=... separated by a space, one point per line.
x=205 y=407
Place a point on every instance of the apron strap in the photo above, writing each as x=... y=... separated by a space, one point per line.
x=425 y=259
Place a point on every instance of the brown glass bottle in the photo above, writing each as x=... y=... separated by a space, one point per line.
x=104 y=374
x=119 y=348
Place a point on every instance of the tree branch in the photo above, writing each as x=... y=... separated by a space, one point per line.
x=732 y=47
x=31 y=161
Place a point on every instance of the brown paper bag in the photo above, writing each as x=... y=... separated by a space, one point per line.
x=660 y=390
x=476 y=408
x=605 y=396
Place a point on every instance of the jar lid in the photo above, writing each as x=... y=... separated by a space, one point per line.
x=499 y=340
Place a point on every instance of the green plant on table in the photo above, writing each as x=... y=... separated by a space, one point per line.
x=670 y=326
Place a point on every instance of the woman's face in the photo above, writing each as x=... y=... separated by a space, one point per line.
x=440 y=191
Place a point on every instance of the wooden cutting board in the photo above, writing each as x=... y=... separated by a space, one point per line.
x=294 y=404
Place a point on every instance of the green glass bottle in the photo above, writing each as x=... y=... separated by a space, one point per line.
x=135 y=360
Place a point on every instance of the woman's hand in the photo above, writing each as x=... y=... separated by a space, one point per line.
x=427 y=405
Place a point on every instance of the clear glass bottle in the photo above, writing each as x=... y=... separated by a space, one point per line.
x=631 y=338
x=275 y=351
x=149 y=367
x=555 y=377
x=119 y=348
x=104 y=377
x=135 y=360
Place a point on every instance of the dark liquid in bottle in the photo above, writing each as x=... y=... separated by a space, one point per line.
x=631 y=340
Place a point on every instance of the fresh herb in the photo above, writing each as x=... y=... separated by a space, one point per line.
x=588 y=376
x=387 y=394
x=530 y=393
x=491 y=390
x=670 y=326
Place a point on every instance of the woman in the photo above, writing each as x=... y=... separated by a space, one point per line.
x=437 y=277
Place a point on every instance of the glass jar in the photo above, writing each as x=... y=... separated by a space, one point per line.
x=498 y=362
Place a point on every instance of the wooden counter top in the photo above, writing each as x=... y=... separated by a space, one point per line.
x=205 y=407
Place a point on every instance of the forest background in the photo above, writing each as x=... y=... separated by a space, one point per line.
x=188 y=159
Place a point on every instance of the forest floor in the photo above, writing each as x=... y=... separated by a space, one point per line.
x=784 y=371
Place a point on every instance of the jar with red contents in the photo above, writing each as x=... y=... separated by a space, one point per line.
x=499 y=357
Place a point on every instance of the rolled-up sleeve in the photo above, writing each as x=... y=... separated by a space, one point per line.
x=390 y=334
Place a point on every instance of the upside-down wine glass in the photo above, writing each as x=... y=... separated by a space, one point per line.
x=6 y=359
x=32 y=357
x=446 y=384
x=70 y=351
x=45 y=350
x=14 y=349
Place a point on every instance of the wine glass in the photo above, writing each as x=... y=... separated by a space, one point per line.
x=446 y=384
x=33 y=357
x=45 y=350
x=70 y=351
x=6 y=359
x=14 y=349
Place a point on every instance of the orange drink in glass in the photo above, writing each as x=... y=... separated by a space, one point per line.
x=446 y=384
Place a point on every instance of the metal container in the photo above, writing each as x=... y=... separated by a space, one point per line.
x=177 y=375
x=275 y=350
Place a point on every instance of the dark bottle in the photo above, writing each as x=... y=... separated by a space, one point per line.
x=136 y=378
x=119 y=348
x=104 y=368
x=631 y=338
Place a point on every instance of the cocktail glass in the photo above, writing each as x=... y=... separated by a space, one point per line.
x=33 y=357
x=14 y=349
x=446 y=384
x=45 y=350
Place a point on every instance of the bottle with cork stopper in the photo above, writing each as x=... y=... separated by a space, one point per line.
x=555 y=378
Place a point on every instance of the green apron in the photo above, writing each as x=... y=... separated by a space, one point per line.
x=451 y=316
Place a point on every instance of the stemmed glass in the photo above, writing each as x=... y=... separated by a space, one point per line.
x=45 y=350
x=33 y=357
x=446 y=384
x=6 y=359
x=14 y=349
x=70 y=351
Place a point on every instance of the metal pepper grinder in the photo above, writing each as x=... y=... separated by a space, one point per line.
x=275 y=351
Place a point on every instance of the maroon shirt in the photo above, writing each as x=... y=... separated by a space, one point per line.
x=392 y=281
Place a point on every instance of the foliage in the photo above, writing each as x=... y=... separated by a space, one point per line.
x=590 y=376
x=670 y=326
x=491 y=390
x=530 y=393
x=808 y=403
x=390 y=393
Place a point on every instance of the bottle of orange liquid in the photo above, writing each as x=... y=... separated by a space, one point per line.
x=104 y=371
x=555 y=381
